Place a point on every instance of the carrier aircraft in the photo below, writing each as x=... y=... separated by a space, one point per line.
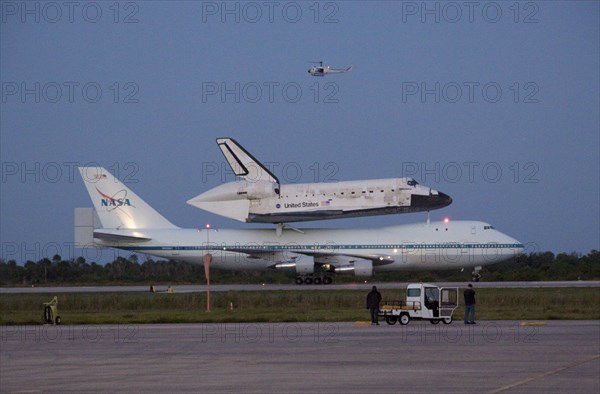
x=121 y=219
x=259 y=196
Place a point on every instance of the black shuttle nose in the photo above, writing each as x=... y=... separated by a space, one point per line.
x=432 y=201
x=444 y=199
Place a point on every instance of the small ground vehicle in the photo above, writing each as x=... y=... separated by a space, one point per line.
x=423 y=301
x=50 y=314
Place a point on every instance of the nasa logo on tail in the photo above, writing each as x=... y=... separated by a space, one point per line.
x=115 y=201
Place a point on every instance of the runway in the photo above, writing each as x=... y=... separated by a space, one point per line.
x=493 y=357
x=263 y=287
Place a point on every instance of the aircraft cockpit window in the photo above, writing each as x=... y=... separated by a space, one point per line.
x=412 y=182
x=488 y=227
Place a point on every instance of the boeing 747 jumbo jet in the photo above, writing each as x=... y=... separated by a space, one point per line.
x=259 y=196
x=120 y=219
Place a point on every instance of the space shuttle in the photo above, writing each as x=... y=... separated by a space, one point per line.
x=259 y=197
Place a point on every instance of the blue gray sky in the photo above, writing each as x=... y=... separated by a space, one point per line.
x=494 y=103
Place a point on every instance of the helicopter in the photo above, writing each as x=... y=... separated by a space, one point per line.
x=321 y=71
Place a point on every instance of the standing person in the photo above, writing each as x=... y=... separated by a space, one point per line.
x=373 y=300
x=470 y=305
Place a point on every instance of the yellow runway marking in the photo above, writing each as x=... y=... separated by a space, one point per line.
x=532 y=323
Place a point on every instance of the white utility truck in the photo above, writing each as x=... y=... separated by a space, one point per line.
x=423 y=301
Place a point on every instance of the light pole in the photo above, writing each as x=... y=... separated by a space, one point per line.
x=207 y=259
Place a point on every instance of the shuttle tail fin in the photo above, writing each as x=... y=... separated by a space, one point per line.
x=243 y=163
x=116 y=205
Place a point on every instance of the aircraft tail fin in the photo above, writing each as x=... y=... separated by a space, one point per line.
x=243 y=163
x=116 y=205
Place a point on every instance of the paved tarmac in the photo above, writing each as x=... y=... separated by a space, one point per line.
x=492 y=356
x=261 y=287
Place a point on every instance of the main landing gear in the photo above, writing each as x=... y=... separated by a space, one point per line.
x=475 y=275
x=311 y=279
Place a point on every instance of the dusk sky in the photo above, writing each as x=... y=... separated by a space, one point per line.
x=495 y=103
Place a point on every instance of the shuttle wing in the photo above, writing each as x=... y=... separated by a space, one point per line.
x=243 y=163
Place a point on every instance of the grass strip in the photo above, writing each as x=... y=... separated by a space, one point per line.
x=284 y=306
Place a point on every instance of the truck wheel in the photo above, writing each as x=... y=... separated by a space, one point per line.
x=308 y=280
x=391 y=320
x=404 y=319
x=434 y=321
x=317 y=281
x=299 y=280
x=447 y=320
x=327 y=280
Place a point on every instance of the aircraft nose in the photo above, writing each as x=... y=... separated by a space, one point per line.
x=439 y=200
x=444 y=199
x=431 y=201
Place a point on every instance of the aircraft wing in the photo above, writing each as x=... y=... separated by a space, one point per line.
x=320 y=257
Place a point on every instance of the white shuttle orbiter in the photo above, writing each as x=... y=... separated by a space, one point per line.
x=259 y=197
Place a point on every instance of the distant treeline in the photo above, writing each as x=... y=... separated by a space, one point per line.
x=532 y=267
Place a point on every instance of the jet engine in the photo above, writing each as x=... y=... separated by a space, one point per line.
x=359 y=267
x=301 y=264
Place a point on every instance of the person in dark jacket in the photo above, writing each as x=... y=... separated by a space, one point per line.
x=470 y=305
x=373 y=300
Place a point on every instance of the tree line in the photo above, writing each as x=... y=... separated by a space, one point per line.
x=56 y=271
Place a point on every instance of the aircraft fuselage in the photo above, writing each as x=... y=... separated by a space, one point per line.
x=437 y=245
